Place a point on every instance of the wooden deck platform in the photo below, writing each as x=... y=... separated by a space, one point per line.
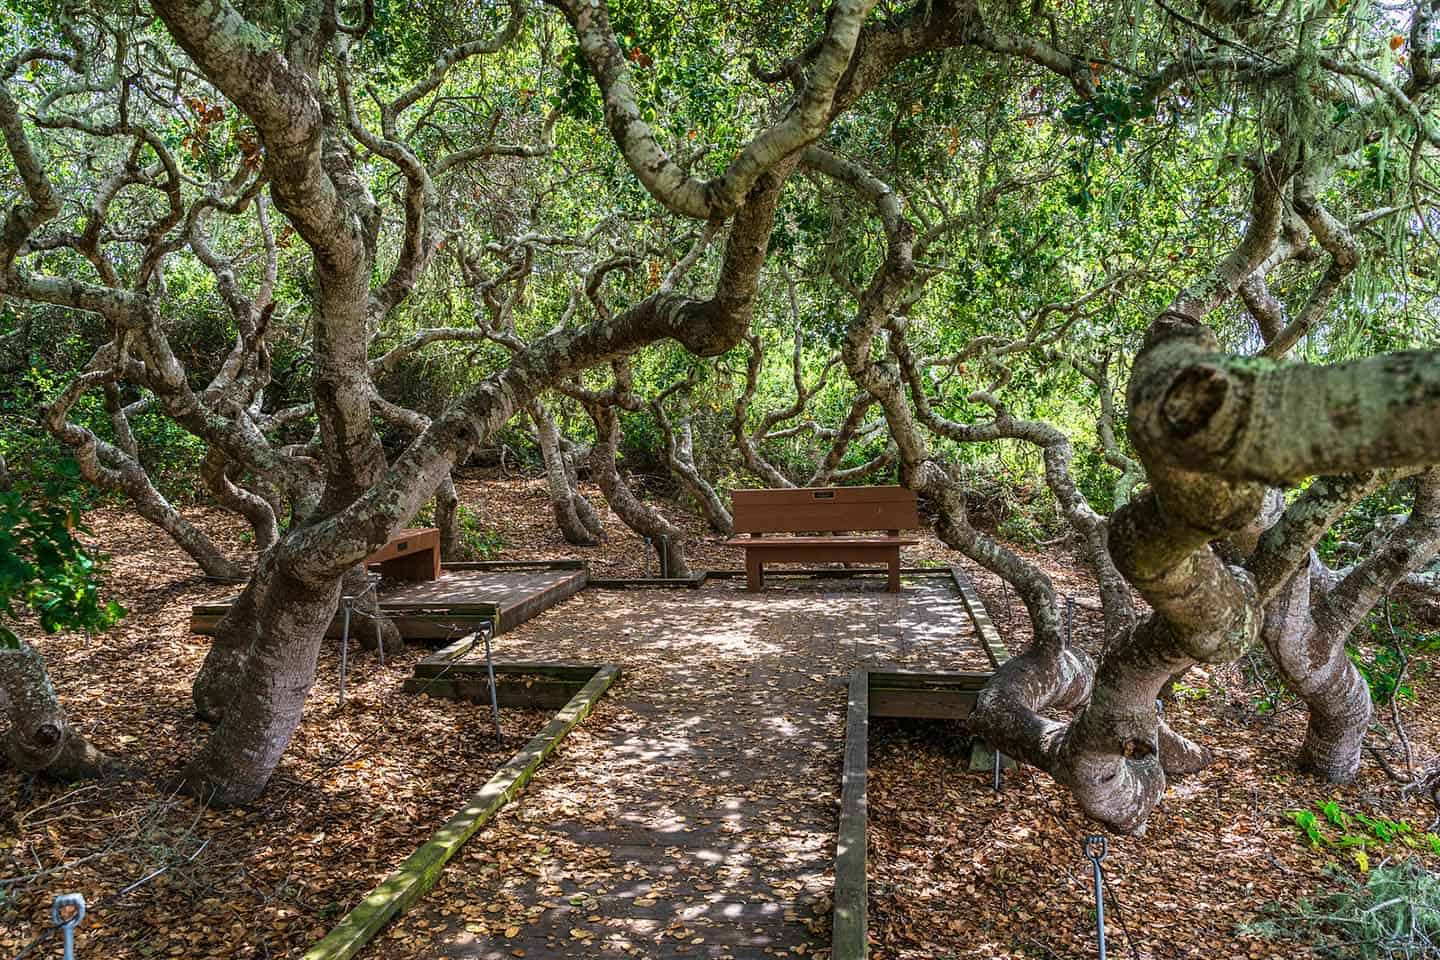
x=695 y=814
x=456 y=603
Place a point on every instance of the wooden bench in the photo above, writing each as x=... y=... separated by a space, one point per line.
x=822 y=510
x=412 y=554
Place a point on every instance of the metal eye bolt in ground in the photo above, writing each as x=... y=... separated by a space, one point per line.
x=1095 y=848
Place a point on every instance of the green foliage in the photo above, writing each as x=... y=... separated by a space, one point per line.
x=1106 y=120
x=1329 y=826
x=475 y=542
x=1360 y=520
x=44 y=568
x=1389 y=654
x=170 y=453
x=1392 y=911
x=1109 y=117
x=1153 y=190
x=1095 y=478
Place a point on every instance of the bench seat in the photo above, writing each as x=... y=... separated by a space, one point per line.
x=837 y=540
x=838 y=513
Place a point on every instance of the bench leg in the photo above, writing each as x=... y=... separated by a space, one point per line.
x=754 y=573
x=895 y=571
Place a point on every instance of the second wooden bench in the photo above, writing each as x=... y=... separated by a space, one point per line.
x=834 y=516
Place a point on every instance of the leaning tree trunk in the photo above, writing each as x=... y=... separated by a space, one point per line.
x=215 y=684
x=40 y=740
x=151 y=505
x=117 y=468
x=680 y=455
x=287 y=619
x=574 y=516
x=634 y=513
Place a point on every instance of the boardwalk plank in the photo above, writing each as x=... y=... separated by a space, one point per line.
x=706 y=787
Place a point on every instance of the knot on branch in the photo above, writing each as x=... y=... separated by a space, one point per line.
x=1195 y=399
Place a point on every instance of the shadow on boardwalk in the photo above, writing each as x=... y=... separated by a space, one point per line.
x=693 y=815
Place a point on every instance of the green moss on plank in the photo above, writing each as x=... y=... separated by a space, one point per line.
x=990 y=640
x=418 y=874
x=849 y=929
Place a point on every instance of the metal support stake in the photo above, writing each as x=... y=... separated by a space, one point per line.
x=664 y=556
x=347 y=603
x=344 y=649
x=487 y=628
x=374 y=585
x=1095 y=848
x=997 y=768
x=66 y=913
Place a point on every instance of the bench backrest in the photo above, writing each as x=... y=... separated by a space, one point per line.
x=824 y=509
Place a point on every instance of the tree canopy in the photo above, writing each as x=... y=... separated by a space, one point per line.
x=1172 y=263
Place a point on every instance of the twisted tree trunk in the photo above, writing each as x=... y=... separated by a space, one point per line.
x=574 y=516
x=680 y=456
x=1306 y=635
x=40 y=739
x=633 y=512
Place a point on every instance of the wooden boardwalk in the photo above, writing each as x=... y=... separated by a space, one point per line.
x=694 y=814
x=515 y=595
x=453 y=604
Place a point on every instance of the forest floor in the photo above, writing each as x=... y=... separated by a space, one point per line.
x=955 y=870
x=360 y=787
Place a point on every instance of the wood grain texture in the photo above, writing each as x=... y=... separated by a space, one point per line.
x=422 y=868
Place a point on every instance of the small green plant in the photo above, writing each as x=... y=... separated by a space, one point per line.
x=476 y=542
x=1185 y=691
x=43 y=565
x=1309 y=825
x=1329 y=825
x=1387 y=667
x=1392 y=911
x=473 y=541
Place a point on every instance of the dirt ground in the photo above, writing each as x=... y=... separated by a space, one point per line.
x=955 y=869
x=360 y=787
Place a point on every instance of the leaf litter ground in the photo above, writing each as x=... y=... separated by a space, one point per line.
x=955 y=870
x=958 y=871
x=360 y=787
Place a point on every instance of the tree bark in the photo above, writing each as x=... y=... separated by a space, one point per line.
x=680 y=457
x=447 y=517
x=215 y=684
x=1305 y=636
x=574 y=516
x=253 y=507
x=632 y=511
x=287 y=618
x=39 y=739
